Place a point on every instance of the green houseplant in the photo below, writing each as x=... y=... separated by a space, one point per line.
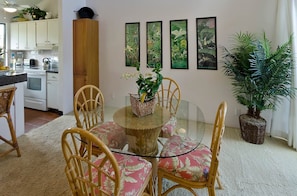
x=260 y=78
x=148 y=84
x=143 y=102
x=35 y=12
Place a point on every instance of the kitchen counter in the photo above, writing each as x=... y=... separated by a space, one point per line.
x=12 y=78
x=18 y=80
x=52 y=70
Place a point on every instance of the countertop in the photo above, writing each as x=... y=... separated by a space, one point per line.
x=12 y=77
x=52 y=70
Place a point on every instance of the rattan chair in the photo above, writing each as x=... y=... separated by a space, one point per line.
x=169 y=97
x=106 y=174
x=6 y=99
x=88 y=107
x=199 y=168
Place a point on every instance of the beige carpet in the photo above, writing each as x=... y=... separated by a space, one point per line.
x=246 y=169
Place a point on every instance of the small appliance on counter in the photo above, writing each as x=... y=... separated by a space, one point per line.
x=46 y=63
x=19 y=59
x=33 y=63
x=26 y=62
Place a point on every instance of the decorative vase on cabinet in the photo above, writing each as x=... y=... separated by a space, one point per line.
x=85 y=53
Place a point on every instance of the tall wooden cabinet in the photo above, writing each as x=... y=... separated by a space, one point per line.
x=85 y=53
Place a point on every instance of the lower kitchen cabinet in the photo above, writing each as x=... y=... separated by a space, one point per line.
x=16 y=112
x=52 y=90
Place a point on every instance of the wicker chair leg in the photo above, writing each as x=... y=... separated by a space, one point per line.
x=211 y=191
x=13 y=136
x=219 y=181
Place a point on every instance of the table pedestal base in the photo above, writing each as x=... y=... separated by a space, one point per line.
x=143 y=142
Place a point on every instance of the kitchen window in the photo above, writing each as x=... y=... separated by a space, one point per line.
x=2 y=42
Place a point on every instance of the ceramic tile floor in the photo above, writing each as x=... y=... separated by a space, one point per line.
x=36 y=118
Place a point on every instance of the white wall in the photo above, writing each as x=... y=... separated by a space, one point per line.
x=205 y=88
x=67 y=13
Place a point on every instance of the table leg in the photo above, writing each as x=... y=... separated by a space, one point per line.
x=154 y=162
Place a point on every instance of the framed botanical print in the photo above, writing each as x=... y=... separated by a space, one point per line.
x=154 y=43
x=179 y=44
x=206 y=43
x=132 y=44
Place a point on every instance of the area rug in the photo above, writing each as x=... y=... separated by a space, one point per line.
x=246 y=169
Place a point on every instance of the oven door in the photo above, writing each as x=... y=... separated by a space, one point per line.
x=35 y=87
x=35 y=91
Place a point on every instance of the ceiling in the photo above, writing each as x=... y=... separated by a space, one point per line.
x=27 y=2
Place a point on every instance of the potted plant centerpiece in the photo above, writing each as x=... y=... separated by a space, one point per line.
x=260 y=78
x=143 y=103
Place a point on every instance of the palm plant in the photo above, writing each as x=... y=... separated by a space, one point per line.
x=260 y=76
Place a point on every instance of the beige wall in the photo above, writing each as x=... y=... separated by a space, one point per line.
x=205 y=88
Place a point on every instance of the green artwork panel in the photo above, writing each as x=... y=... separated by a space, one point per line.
x=179 y=44
x=206 y=43
x=154 y=43
x=132 y=44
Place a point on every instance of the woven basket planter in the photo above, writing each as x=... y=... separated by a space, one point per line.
x=252 y=129
x=142 y=109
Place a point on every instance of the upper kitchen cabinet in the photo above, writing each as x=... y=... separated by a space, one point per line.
x=22 y=36
x=47 y=34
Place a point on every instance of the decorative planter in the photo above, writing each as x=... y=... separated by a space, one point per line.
x=142 y=109
x=252 y=129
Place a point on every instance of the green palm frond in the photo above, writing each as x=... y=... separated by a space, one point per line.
x=260 y=76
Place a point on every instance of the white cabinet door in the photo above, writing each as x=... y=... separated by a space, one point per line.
x=16 y=112
x=19 y=114
x=22 y=36
x=53 y=32
x=41 y=32
x=52 y=90
x=31 y=35
x=14 y=36
x=47 y=32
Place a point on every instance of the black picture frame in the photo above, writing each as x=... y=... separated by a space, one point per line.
x=132 y=44
x=206 y=43
x=179 y=44
x=154 y=45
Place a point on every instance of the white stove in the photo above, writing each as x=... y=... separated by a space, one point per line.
x=35 y=88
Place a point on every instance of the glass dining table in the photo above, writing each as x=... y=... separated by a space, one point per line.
x=142 y=134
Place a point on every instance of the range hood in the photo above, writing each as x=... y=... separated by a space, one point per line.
x=46 y=46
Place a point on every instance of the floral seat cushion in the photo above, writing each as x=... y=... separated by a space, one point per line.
x=176 y=145
x=193 y=166
x=134 y=172
x=168 y=128
x=111 y=134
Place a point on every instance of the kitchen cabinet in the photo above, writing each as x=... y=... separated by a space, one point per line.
x=52 y=90
x=14 y=36
x=22 y=36
x=85 y=53
x=47 y=34
x=16 y=111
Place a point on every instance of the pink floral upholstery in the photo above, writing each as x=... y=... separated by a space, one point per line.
x=168 y=128
x=193 y=166
x=176 y=145
x=134 y=172
x=111 y=134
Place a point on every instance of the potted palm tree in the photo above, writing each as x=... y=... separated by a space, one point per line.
x=260 y=78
